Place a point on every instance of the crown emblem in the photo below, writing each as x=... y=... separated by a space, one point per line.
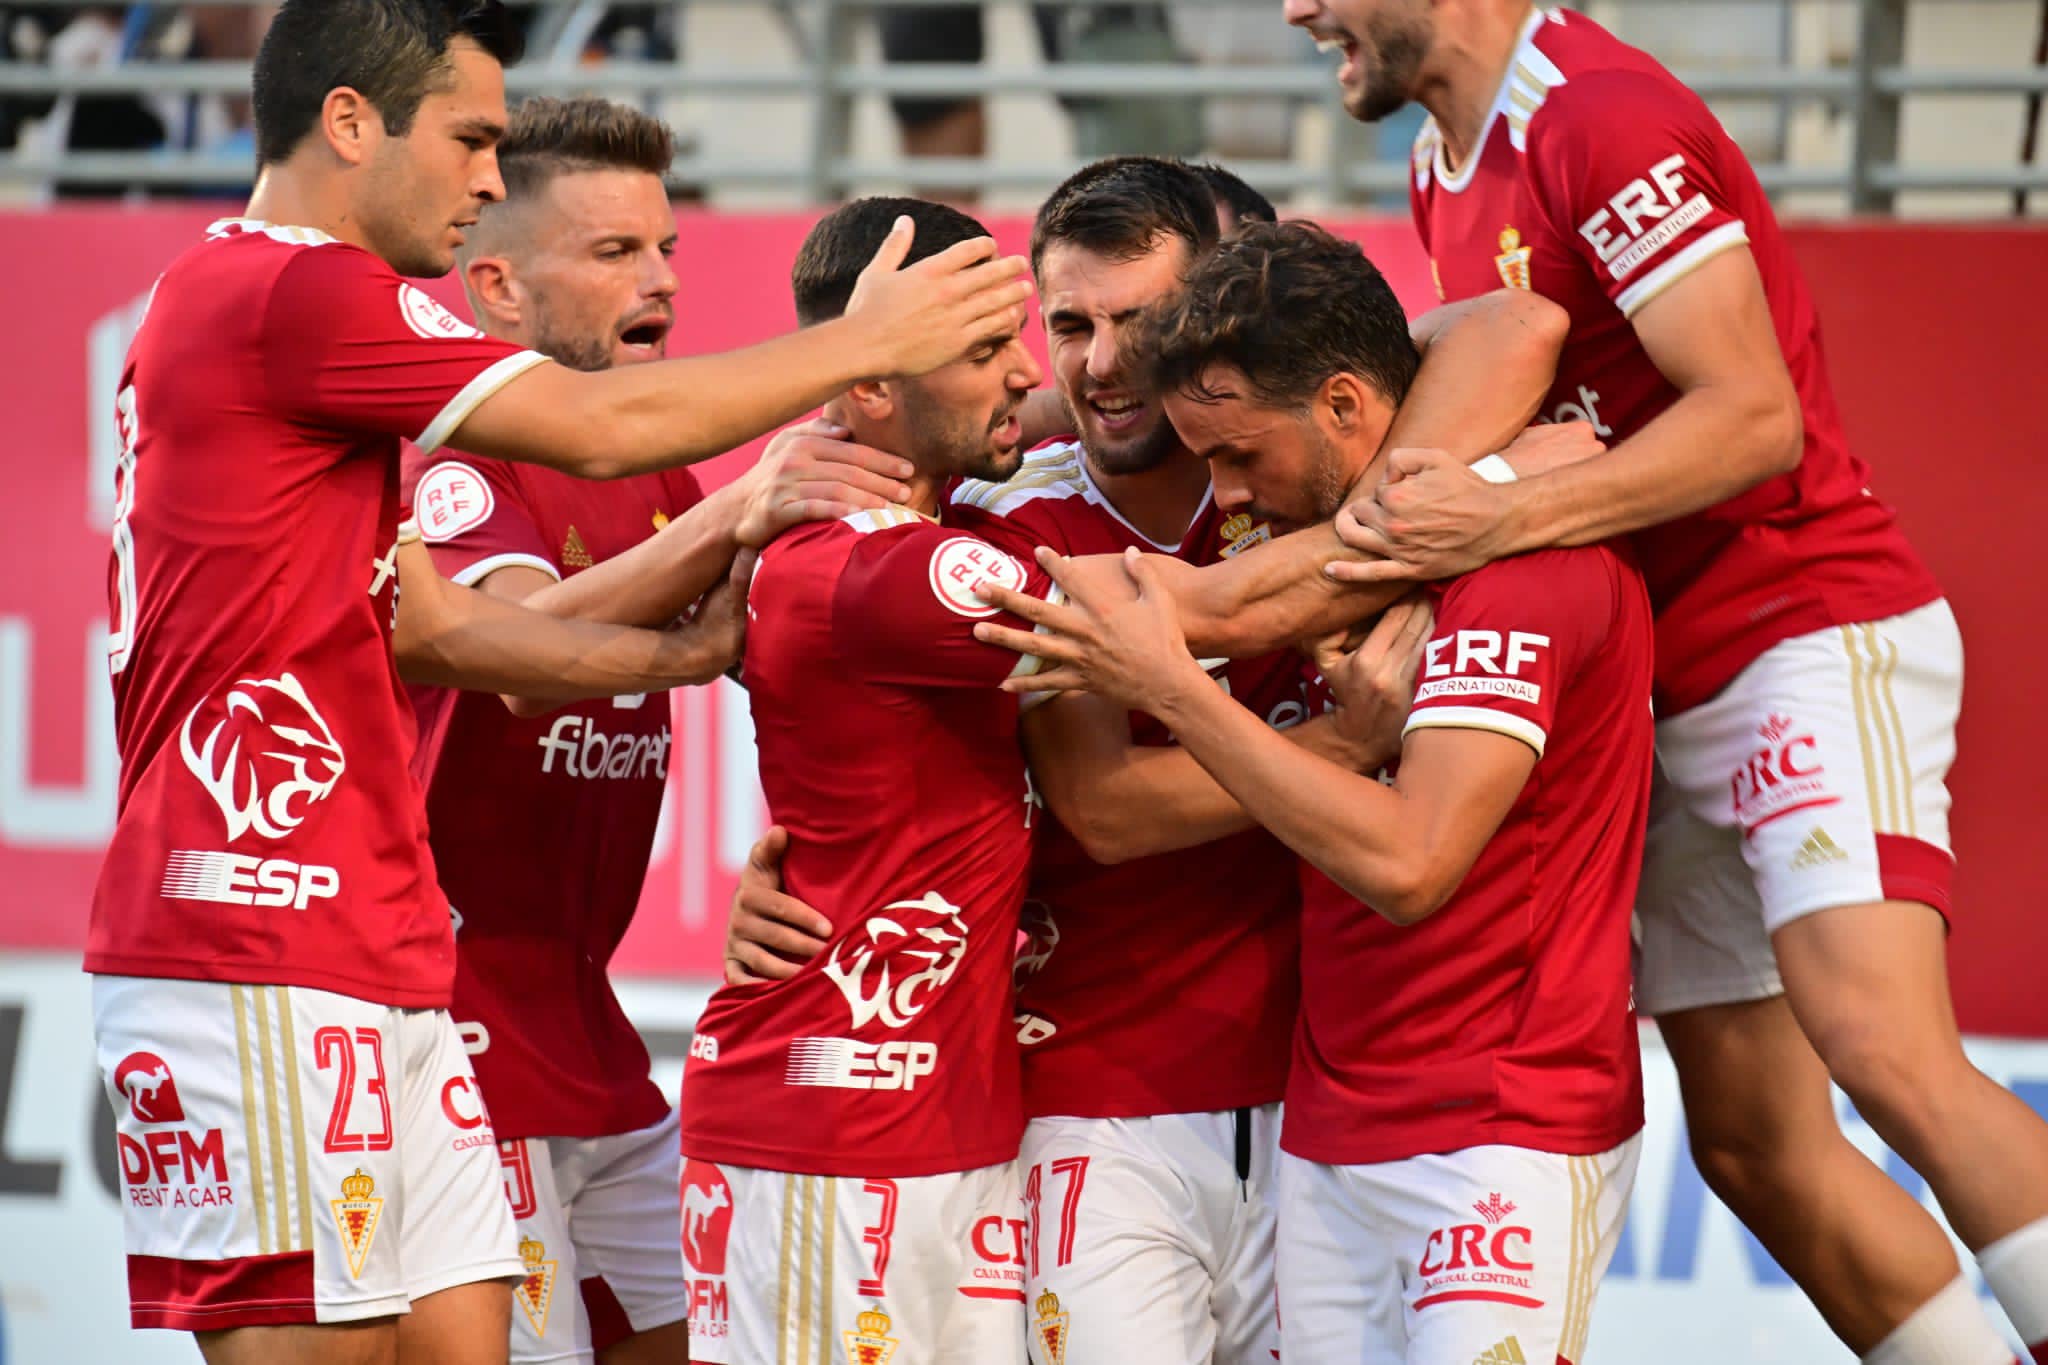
x=1774 y=727
x=535 y=1294
x=869 y=1343
x=1051 y=1328
x=1513 y=261
x=531 y=1252
x=355 y=1216
x=1493 y=1208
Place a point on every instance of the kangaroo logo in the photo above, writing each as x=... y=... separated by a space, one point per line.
x=145 y=1079
x=707 y=1217
x=269 y=759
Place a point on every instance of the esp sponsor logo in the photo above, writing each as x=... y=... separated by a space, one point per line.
x=849 y=1064
x=240 y=879
x=1488 y=1261
x=1782 y=774
x=1482 y=663
x=1644 y=217
x=588 y=752
x=170 y=1164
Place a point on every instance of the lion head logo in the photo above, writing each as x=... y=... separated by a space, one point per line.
x=889 y=968
x=1041 y=940
x=268 y=760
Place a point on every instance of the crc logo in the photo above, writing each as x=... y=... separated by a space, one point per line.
x=145 y=1079
x=589 y=752
x=890 y=967
x=1643 y=218
x=707 y=1217
x=849 y=1064
x=1783 y=774
x=268 y=760
x=1489 y=1260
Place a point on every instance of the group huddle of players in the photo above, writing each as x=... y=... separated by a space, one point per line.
x=1325 y=726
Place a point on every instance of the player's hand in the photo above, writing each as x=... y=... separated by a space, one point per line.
x=918 y=317
x=1374 y=684
x=768 y=935
x=1118 y=637
x=812 y=472
x=1430 y=518
x=719 y=625
x=1552 y=445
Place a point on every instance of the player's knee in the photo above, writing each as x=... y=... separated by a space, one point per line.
x=1741 y=1166
x=1903 y=1087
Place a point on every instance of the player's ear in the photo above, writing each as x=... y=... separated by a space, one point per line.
x=1351 y=409
x=873 y=399
x=349 y=124
x=493 y=289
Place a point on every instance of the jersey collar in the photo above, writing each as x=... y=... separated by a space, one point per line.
x=291 y=236
x=1529 y=79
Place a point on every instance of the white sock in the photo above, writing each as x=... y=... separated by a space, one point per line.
x=2016 y=1267
x=1951 y=1328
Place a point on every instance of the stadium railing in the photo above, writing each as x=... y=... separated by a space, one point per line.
x=1868 y=90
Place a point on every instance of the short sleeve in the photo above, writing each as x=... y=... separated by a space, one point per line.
x=1508 y=637
x=474 y=516
x=350 y=345
x=1634 y=173
x=904 y=610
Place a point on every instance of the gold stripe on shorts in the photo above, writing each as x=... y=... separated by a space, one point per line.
x=788 y=1244
x=1574 y=1253
x=806 y=1306
x=829 y=1237
x=271 y=1124
x=1866 y=728
x=252 y=1135
x=1588 y=1269
x=1898 y=730
x=298 y=1118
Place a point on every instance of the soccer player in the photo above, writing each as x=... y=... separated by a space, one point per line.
x=1156 y=1000
x=1465 y=1100
x=541 y=828
x=273 y=958
x=1796 y=894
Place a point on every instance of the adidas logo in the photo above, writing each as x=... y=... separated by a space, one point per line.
x=1818 y=849
x=1508 y=1352
x=573 y=552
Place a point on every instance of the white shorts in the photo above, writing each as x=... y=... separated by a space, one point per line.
x=1146 y=1245
x=1490 y=1255
x=294 y=1156
x=597 y=1233
x=1817 y=778
x=925 y=1270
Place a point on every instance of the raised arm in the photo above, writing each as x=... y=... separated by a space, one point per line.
x=905 y=321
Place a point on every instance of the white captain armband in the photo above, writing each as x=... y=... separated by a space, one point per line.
x=1494 y=469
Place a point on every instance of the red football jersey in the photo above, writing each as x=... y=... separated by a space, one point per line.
x=890 y=754
x=1507 y=1016
x=1598 y=182
x=268 y=829
x=541 y=827
x=1168 y=984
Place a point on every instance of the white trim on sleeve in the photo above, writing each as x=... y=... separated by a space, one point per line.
x=1029 y=664
x=476 y=573
x=1681 y=265
x=1476 y=718
x=487 y=382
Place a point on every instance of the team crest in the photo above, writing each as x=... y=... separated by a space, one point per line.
x=1513 y=260
x=356 y=1214
x=660 y=520
x=1240 y=533
x=869 y=1343
x=536 y=1293
x=1051 y=1328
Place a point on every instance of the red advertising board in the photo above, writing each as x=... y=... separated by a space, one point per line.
x=1931 y=366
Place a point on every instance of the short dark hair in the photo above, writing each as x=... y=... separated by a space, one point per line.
x=547 y=137
x=1286 y=304
x=392 y=51
x=1122 y=205
x=840 y=245
x=1229 y=191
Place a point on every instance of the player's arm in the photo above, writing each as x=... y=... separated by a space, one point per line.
x=451 y=636
x=1487 y=363
x=902 y=321
x=1122 y=800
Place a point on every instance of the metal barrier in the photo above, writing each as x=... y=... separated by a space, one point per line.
x=1870 y=91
